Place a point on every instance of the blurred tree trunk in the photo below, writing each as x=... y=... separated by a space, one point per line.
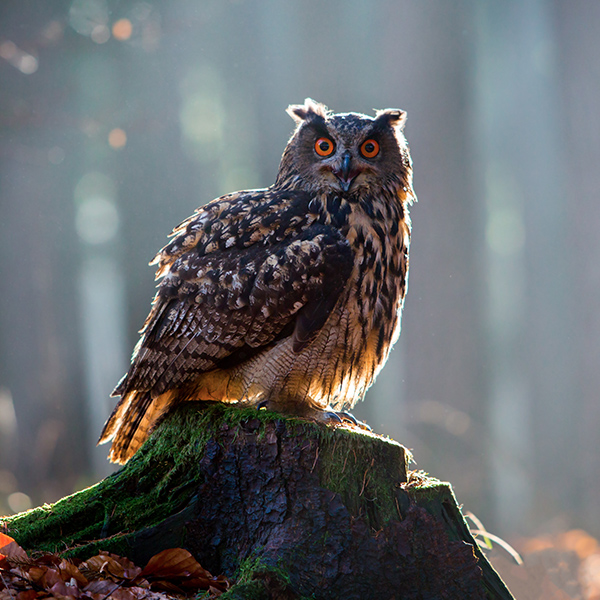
x=39 y=328
x=529 y=311
x=577 y=27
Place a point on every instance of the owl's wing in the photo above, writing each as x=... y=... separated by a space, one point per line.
x=238 y=277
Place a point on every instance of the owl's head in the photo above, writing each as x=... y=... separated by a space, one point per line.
x=347 y=153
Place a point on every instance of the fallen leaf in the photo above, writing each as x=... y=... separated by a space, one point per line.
x=173 y=573
x=164 y=585
x=116 y=567
x=27 y=595
x=10 y=549
x=59 y=589
x=48 y=559
x=101 y=586
x=124 y=594
x=69 y=571
x=36 y=574
x=175 y=562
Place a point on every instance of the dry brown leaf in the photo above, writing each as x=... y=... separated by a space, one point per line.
x=116 y=567
x=164 y=585
x=27 y=595
x=69 y=571
x=50 y=560
x=10 y=549
x=37 y=574
x=51 y=577
x=124 y=594
x=173 y=571
x=175 y=562
x=130 y=569
x=101 y=586
x=59 y=589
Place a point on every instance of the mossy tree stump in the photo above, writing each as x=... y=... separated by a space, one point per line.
x=284 y=507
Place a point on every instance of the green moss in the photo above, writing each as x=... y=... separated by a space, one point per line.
x=161 y=478
x=156 y=483
x=255 y=576
x=253 y=590
x=255 y=566
x=117 y=544
x=365 y=474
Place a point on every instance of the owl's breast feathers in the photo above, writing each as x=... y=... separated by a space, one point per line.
x=268 y=292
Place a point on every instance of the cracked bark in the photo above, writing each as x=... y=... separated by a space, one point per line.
x=285 y=508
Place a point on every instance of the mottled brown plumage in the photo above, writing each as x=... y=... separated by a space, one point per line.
x=288 y=297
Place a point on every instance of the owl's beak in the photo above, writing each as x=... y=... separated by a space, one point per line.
x=346 y=173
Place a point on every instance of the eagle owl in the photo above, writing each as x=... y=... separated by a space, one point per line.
x=288 y=297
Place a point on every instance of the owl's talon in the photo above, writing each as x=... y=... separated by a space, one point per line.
x=349 y=417
x=333 y=416
x=346 y=417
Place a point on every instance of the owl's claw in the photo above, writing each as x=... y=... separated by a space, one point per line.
x=349 y=417
x=324 y=416
x=345 y=417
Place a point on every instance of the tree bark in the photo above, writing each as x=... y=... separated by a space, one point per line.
x=286 y=508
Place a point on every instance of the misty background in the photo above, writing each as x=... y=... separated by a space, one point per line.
x=119 y=118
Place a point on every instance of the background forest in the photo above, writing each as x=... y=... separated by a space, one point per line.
x=118 y=118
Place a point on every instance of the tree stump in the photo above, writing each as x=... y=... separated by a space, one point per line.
x=285 y=507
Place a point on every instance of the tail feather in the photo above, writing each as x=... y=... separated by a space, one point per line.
x=132 y=421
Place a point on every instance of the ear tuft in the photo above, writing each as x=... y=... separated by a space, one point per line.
x=306 y=111
x=393 y=116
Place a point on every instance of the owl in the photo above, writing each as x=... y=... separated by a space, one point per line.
x=288 y=297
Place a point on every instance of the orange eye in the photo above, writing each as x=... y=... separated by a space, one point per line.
x=324 y=147
x=369 y=148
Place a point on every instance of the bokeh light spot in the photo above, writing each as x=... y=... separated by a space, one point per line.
x=457 y=423
x=25 y=62
x=100 y=34
x=505 y=231
x=117 y=138
x=202 y=114
x=18 y=502
x=97 y=220
x=28 y=64
x=122 y=29
x=97 y=217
